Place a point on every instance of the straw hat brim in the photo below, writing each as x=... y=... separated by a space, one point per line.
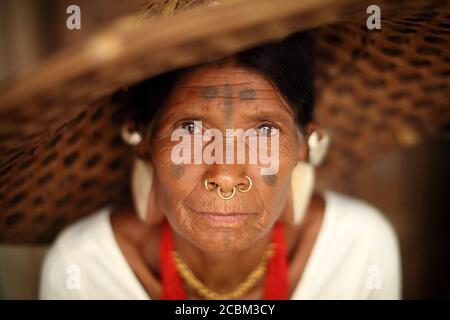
x=61 y=156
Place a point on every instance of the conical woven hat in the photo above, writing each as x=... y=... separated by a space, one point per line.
x=61 y=155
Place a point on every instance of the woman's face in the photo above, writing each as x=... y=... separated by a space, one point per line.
x=223 y=97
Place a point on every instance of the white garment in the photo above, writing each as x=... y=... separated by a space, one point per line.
x=356 y=256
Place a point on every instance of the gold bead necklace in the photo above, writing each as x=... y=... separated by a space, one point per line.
x=237 y=293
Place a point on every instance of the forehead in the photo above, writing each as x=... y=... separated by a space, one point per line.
x=226 y=81
x=226 y=74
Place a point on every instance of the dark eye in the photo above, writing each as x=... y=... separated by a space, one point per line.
x=267 y=129
x=191 y=127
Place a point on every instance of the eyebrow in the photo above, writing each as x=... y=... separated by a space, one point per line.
x=186 y=114
x=266 y=114
x=261 y=113
x=269 y=115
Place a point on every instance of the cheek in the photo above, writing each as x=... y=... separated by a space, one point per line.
x=176 y=183
x=177 y=171
x=274 y=189
x=173 y=181
x=270 y=180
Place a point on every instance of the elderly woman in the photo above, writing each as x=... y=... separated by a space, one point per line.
x=208 y=221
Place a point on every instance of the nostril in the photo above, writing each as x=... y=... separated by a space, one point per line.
x=245 y=187
x=226 y=178
x=210 y=186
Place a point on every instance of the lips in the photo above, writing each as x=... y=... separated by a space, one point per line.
x=223 y=217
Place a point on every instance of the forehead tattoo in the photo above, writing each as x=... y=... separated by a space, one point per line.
x=226 y=92
x=227 y=103
x=247 y=94
x=210 y=92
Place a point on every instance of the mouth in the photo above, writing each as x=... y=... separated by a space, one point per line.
x=223 y=218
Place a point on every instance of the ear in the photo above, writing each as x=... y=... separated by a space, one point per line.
x=318 y=144
x=142 y=151
x=302 y=154
x=136 y=138
x=303 y=139
x=302 y=178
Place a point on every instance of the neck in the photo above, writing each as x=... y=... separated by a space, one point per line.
x=221 y=271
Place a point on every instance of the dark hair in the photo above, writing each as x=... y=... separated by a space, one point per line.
x=289 y=64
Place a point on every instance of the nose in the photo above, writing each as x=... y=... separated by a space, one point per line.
x=226 y=177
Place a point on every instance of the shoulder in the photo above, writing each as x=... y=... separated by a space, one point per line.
x=81 y=247
x=85 y=234
x=360 y=227
x=358 y=219
x=360 y=242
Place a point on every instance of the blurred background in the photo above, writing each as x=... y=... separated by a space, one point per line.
x=411 y=186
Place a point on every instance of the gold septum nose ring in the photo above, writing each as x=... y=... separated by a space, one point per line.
x=241 y=187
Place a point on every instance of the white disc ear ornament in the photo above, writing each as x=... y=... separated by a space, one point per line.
x=132 y=138
x=318 y=147
x=141 y=185
x=302 y=186
x=302 y=179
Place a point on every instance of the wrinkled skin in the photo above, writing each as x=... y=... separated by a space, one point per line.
x=226 y=96
x=220 y=255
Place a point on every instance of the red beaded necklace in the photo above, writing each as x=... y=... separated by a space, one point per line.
x=275 y=282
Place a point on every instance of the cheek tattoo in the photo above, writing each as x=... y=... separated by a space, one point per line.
x=270 y=179
x=177 y=170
